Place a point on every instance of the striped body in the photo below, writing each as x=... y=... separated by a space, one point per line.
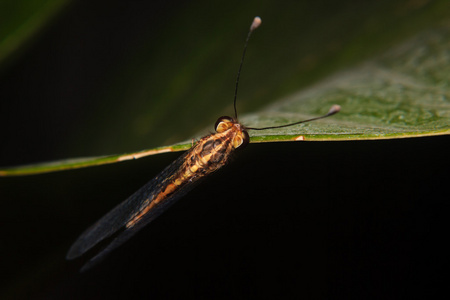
x=208 y=155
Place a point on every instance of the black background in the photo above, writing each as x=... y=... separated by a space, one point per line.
x=364 y=219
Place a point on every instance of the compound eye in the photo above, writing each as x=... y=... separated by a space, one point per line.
x=223 y=123
x=240 y=141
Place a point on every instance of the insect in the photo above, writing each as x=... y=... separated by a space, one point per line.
x=206 y=156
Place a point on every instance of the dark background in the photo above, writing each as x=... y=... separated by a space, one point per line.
x=365 y=219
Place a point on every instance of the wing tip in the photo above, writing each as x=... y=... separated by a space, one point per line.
x=74 y=252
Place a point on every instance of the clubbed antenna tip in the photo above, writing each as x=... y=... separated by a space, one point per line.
x=334 y=109
x=256 y=22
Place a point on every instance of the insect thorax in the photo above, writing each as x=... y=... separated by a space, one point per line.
x=211 y=153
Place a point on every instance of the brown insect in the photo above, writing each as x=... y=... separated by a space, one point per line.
x=206 y=156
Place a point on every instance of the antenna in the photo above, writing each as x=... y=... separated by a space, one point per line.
x=333 y=110
x=255 y=24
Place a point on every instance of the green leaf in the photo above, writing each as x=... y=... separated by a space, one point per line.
x=400 y=93
x=76 y=163
x=403 y=93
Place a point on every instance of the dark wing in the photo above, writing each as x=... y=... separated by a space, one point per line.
x=114 y=222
